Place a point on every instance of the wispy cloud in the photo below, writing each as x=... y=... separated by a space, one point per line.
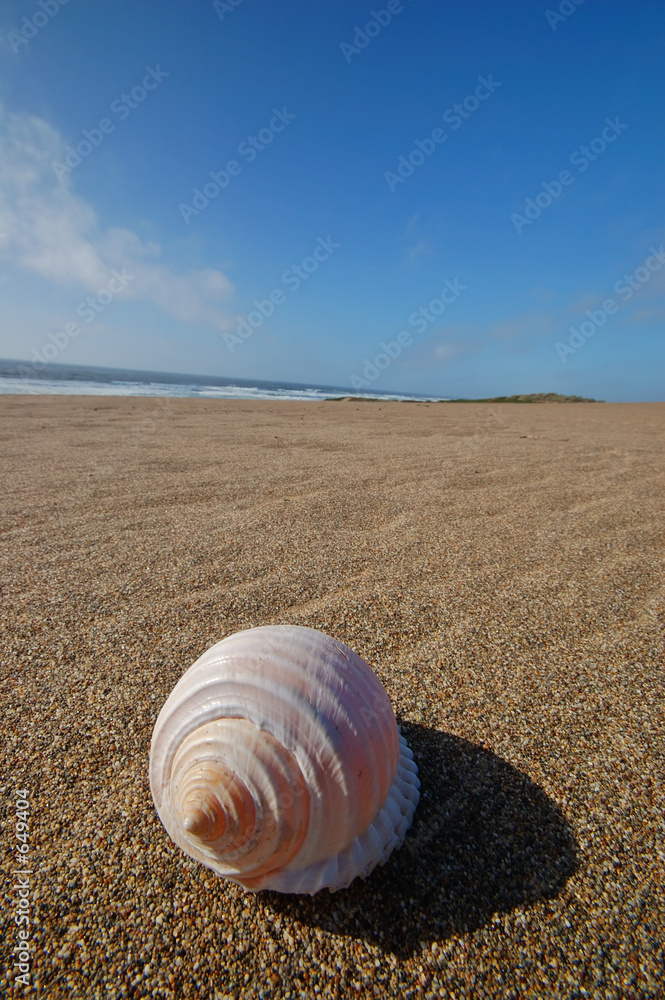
x=444 y=352
x=646 y=314
x=415 y=250
x=589 y=300
x=529 y=326
x=411 y=234
x=541 y=294
x=54 y=233
x=413 y=222
x=439 y=348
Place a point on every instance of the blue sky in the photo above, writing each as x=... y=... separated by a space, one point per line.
x=514 y=252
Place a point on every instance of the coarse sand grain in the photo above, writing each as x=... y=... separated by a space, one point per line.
x=500 y=567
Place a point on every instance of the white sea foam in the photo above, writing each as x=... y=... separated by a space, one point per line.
x=78 y=381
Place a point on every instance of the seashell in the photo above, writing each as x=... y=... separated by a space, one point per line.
x=277 y=762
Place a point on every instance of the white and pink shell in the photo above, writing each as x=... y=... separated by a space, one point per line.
x=277 y=762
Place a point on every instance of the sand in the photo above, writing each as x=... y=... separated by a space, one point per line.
x=500 y=566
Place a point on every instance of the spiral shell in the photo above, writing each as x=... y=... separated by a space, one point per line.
x=277 y=762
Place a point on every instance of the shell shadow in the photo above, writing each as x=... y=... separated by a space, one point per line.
x=485 y=839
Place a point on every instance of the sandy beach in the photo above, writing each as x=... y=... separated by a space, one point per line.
x=499 y=566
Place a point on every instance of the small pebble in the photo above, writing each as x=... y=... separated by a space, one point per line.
x=514 y=616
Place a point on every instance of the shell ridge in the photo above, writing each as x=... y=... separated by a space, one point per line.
x=277 y=762
x=371 y=848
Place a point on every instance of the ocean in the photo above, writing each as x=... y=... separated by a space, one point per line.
x=85 y=380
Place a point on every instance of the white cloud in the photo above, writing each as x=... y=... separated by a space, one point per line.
x=52 y=232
